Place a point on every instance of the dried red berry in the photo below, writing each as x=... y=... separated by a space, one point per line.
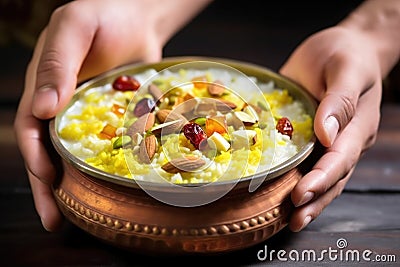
x=143 y=106
x=125 y=83
x=194 y=133
x=284 y=126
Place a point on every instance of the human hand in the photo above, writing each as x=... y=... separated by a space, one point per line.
x=84 y=38
x=340 y=67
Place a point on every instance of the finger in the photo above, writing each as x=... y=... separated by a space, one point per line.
x=344 y=154
x=41 y=171
x=329 y=169
x=45 y=204
x=31 y=135
x=302 y=216
x=345 y=82
x=30 y=132
x=65 y=47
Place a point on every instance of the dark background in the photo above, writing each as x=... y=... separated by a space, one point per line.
x=259 y=32
x=250 y=31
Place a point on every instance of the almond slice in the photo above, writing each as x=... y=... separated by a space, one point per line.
x=183 y=164
x=247 y=119
x=252 y=112
x=168 y=127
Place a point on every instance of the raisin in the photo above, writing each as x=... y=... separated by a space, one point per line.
x=194 y=133
x=284 y=126
x=143 y=106
x=125 y=83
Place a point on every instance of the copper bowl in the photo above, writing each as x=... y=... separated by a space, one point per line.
x=119 y=211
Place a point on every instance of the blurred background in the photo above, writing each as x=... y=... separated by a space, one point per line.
x=243 y=30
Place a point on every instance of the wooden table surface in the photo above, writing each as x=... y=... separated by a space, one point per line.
x=366 y=217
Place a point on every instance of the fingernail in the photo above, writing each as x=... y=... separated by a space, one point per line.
x=44 y=225
x=306 y=198
x=331 y=126
x=46 y=99
x=306 y=221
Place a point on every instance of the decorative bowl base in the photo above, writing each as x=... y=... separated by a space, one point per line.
x=129 y=218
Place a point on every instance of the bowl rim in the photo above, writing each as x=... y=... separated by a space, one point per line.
x=137 y=67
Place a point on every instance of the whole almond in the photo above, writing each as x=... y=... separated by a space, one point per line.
x=225 y=105
x=162 y=115
x=256 y=108
x=206 y=107
x=187 y=106
x=166 y=115
x=148 y=148
x=183 y=164
x=155 y=92
x=142 y=124
x=216 y=89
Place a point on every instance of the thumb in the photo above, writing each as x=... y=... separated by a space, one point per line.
x=333 y=114
x=58 y=68
x=344 y=85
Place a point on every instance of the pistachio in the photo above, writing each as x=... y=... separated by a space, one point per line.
x=148 y=148
x=183 y=164
x=263 y=105
x=200 y=121
x=121 y=141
